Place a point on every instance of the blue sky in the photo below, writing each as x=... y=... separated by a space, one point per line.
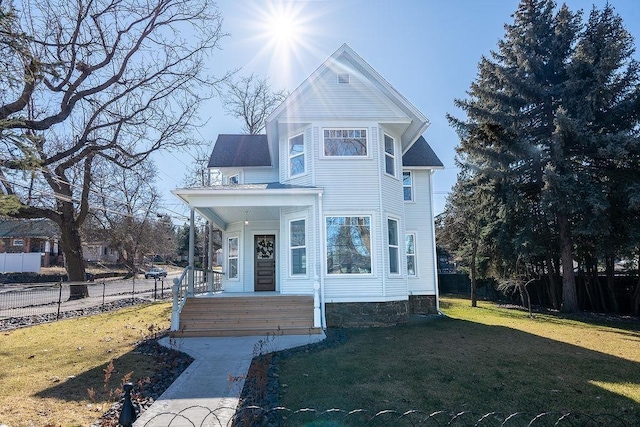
x=428 y=50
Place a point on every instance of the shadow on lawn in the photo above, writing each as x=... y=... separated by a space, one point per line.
x=150 y=367
x=457 y=365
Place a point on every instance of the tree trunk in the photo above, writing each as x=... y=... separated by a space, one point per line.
x=569 y=295
x=474 y=287
x=553 y=286
x=72 y=247
x=610 y=262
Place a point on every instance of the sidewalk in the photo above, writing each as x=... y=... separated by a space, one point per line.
x=205 y=395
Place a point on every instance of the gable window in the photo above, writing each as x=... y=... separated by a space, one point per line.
x=407 y=185
x=348 y=245
x=343 y=77
x=345 y=142
x=232 y=258
x=234 y=179
x=394 y=246
x=298 y=247
x=410 y=248
x=296 y=155
x=389 y=156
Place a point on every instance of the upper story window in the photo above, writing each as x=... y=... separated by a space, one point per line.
x=389 y=155
x=18 y=242
x=349 y=245
x=345 y=142
x=407 y=185
x=234 y=179
x=296 y=155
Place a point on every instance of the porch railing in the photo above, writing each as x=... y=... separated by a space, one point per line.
x=193 y=281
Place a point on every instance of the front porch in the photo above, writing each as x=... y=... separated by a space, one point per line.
x=201 y=308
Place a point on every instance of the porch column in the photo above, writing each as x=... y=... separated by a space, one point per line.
x=192 y=250
x=210 y=259
x=323 y=261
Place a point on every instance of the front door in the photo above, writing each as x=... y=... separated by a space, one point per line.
x=265 y=263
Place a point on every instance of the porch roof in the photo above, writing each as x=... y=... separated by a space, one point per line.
x=225 y=204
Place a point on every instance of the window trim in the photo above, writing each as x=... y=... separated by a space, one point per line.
x=301 y=154
x=366 y=155
x=17 y=242
x=410 y=186
x=372 y=244
x=229 y=258
x=414 y=254
x=291 y=248
x=236 y=175
x=391 y=155
x=395 y=247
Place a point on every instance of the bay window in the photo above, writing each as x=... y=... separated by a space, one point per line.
x=348 y=245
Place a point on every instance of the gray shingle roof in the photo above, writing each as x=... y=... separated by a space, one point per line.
x=22 y=228
x=240 y=151
x=421 y=155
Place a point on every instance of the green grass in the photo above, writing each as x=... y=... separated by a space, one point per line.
x=47 y=369
x=480 y=360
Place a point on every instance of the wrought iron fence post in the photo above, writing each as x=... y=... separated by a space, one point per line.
x=162 y=288
x=155 y=288
x=128 y=413
x=104 y=285
x=59 y=299
x=133 y=287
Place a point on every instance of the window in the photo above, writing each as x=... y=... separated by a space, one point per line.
x=349 y=245
x=345 y=142
x=298 y=247
x=389 y=156
x=296 y=155
x=18 y=242
x=234 y=179
x=394 y=246
x=407 y=186
x=232 y=258
x=410 y=243
x=343 y=77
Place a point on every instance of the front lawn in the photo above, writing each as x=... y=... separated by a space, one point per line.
x=59 y=374
x=480 y=360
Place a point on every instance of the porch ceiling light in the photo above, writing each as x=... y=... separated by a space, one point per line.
x=246 y=220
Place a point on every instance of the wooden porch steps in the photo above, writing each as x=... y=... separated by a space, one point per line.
x=224 y=316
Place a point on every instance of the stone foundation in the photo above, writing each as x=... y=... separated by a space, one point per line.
x=422 y=304
x=366 y=314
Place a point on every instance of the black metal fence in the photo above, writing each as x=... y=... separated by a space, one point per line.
x=20 y=300
x=284 y=417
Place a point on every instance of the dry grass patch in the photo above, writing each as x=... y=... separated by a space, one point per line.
x=48 y=370
x=480 y=360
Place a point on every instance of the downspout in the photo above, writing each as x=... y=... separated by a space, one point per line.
x=192 y=245
x=323 y=261
x=433 y=234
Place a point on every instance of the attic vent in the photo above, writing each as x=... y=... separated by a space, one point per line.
x=343 y=78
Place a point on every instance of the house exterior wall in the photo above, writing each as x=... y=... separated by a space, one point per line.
x=419 y=220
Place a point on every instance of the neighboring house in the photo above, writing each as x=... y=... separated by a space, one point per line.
x=335 y=202
x=31 y=236
x=99 y=251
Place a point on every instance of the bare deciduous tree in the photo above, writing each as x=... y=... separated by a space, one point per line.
x=251 y=100
x=108 y=79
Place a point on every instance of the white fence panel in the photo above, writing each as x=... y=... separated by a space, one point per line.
x=20 y=263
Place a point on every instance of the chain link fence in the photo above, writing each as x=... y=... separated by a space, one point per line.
x=51 y=301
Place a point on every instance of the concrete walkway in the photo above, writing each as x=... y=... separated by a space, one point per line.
x=208 y=391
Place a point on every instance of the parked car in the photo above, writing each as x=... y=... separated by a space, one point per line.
x=155 y=272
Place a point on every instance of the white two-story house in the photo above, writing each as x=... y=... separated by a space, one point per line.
x=333 y=204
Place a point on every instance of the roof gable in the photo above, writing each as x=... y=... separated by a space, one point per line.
x=240 y=151
x=421 y=155
x=385 y=103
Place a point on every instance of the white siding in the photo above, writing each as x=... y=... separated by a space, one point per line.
x=328 y=99
x=419 y=220
x=259 y=175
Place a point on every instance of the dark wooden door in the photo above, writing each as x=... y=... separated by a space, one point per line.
x=265 y=263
